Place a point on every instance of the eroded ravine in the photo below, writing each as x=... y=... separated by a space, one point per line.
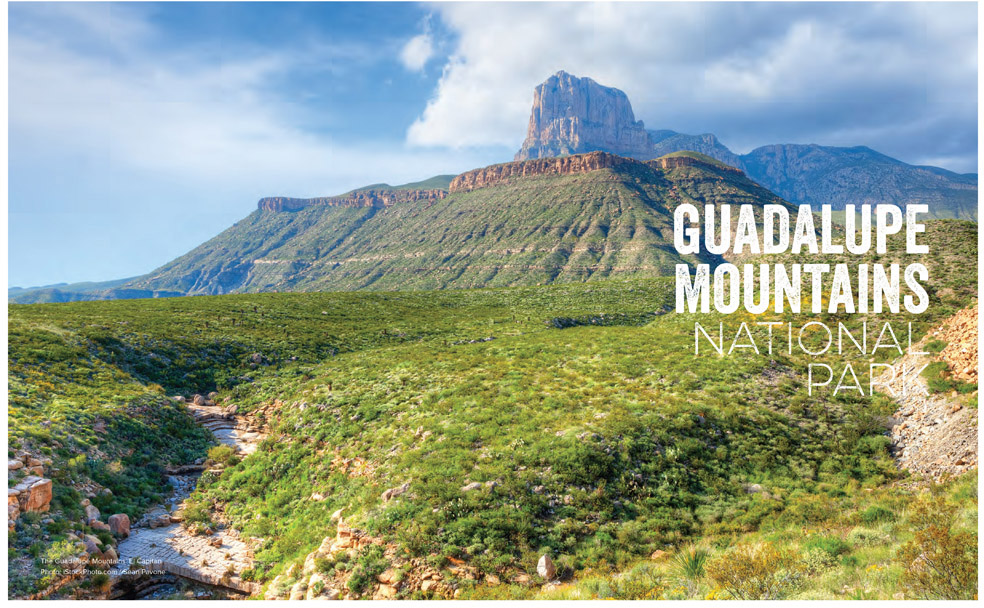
x=165 y=549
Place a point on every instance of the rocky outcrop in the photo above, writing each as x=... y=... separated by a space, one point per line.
x=566 y=165
x=936 y=434
x=960 y=334
x=571 y=165
x=668 y=163
x=573 y=115
x=359 y=198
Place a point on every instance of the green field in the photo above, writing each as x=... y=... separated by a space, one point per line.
x=605 y=437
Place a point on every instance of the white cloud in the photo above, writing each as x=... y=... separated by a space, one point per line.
x=417 y=52
x=752 y=73
x=173 y=114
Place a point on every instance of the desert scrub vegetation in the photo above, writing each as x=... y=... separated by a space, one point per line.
x=592 y=432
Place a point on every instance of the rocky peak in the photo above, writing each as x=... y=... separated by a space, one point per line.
x=572 y=115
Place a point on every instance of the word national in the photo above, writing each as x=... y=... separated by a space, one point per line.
x=844 y=287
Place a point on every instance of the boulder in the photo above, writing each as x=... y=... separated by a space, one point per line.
x=119 y=525
x=91 y=514
x=337 y=515
x=297 y=591
x=388 y=577
x=545 y=568
x=386 y=592
x=91 y=544
x=198 y=400
x=472 y=486
x=312 y=585
x=429 y=585
x=14 y=464
x=98 y=525
x=35 y=494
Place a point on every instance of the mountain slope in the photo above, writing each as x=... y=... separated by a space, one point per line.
x=579 y=218
x=572 y=114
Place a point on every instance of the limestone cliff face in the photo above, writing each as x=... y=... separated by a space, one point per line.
x=565 y=165
x=571 y=165
x=572 y=115
x=361 y=198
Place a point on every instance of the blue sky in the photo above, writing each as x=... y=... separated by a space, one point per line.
x=137 y=131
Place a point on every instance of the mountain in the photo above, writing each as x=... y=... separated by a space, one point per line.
x=572 y=115
x=577 y=218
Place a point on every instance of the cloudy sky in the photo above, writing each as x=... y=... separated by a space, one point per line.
x=137 y=131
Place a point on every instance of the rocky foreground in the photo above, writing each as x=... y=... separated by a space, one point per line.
x=936 y=434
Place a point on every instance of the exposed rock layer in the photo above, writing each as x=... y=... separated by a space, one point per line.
x=360 y=198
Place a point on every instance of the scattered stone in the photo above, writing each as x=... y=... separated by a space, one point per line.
x=13 y=465
x=392 y=493
x=472 y=486
x=198 y=400
x=545 y=568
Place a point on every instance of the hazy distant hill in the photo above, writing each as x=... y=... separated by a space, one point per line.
x=573 y=115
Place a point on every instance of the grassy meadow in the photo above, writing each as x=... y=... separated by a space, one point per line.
x=595 y=433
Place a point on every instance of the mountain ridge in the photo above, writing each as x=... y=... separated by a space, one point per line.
x=564 y=120
x=569 y=219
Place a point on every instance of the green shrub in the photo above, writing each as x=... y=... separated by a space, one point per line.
x=876 y=513
x=756 y=572
x=939 y=562
x=223 y=454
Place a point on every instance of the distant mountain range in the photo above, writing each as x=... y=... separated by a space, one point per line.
x=573 y=115
x=590 y=195
x=578 y=218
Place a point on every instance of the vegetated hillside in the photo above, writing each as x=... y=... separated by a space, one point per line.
x=572 y=115
x=569 y=420
x=583 y=218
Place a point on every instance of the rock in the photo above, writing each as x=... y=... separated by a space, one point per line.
x=572 y=115
x=34 y=494
x=344 y=537
x=388 y=576
x=91 y=514
x=98 y=525
x=36 y=470
x=429 y=585
x=257 y=358
x=34 y=462
x=178 y=398
x=337 y=515
x=215 y=541
x=91 y=544
x=545 y=568
x=274 y=591
x=392 y=493
x=313 y=583
x=385 y=592
x=160 y=521
x=298 y=590
x=13 y=464
x=472 y=486
x=212 y=396
x=198 y=400
x=110 y=555
x=492 y=580
x=753 y=488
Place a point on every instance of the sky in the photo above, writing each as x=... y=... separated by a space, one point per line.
x=139 y=130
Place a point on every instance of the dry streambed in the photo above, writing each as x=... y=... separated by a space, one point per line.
x=160 y=547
